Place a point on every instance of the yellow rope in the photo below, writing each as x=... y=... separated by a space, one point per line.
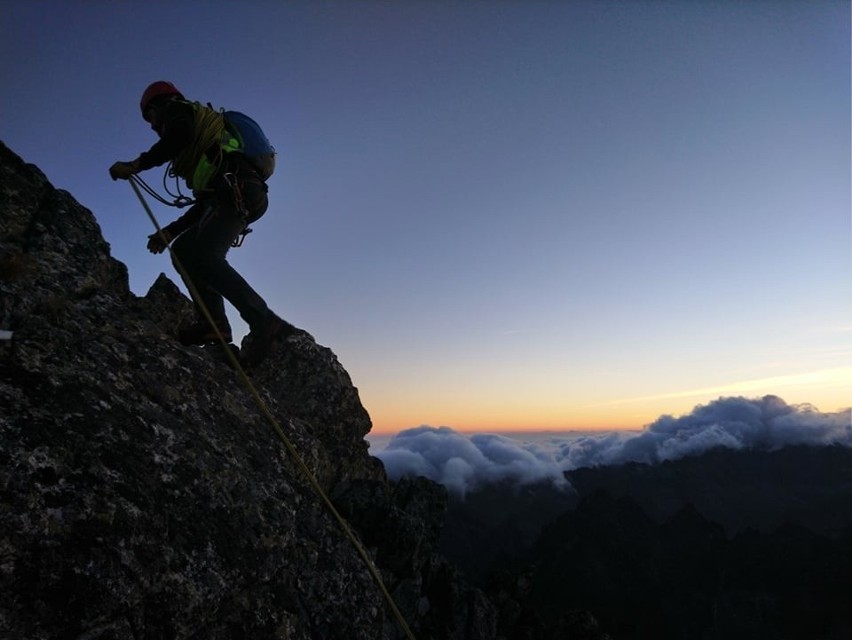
x=273 y=421
x=209 y=130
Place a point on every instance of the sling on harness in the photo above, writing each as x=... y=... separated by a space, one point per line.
x=179 y=200
x=240 y=207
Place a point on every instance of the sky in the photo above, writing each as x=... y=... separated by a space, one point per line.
x=499 y=215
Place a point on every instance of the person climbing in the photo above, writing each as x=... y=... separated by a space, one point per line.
x=230 y=192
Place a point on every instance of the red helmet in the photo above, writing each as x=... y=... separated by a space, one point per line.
x=157 y=90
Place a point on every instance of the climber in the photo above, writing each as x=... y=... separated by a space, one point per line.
x=229 y=193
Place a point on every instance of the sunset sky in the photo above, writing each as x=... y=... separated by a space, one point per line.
x=499 y=215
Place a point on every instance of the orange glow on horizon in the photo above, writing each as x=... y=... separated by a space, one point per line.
x=604 y=421
x=827 y=390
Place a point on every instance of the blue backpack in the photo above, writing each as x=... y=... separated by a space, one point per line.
x=254 y=144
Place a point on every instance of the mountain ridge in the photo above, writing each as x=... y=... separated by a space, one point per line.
x=145 y=496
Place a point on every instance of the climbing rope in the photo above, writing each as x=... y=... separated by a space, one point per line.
x=273 y=421
x=209 y=134
x=179 y=200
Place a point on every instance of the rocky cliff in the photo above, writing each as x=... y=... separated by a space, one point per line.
x=144 y=496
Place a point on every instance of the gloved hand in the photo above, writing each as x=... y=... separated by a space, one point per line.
x=123 y=170
x=156 y=242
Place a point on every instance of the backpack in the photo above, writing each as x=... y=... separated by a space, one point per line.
x=254 y=144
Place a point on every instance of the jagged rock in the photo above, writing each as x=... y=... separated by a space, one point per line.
x=312 y=387
x=402 y=522
x=168 y=306
x=144 y=495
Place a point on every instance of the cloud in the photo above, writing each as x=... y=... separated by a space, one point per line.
x=461 y=462
x=766 y=423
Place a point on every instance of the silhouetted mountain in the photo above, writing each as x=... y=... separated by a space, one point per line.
x=498 y=524
x=811 y=486
x=685 y=579
x=731 y=544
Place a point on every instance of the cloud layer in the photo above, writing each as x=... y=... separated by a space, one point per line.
x=462 y=463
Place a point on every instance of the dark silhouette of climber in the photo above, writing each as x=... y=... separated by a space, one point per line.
x=230 y=193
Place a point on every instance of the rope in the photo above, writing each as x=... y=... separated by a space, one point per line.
x=209 y=130
x=273 y=421
x=179 y=201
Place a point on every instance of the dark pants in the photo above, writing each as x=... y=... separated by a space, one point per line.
x=201 y=250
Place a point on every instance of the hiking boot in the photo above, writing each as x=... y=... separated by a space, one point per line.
x=259 y=342
x=202 y=333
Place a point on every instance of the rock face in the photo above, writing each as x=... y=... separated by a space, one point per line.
x=144 y=495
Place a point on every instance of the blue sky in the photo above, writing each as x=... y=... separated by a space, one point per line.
x=498 y=214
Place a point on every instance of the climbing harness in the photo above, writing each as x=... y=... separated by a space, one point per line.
x=234 y=185
x=180 y=200
x=200 y=161
x=238 y=241
x=239 y=206
x=273 y=421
